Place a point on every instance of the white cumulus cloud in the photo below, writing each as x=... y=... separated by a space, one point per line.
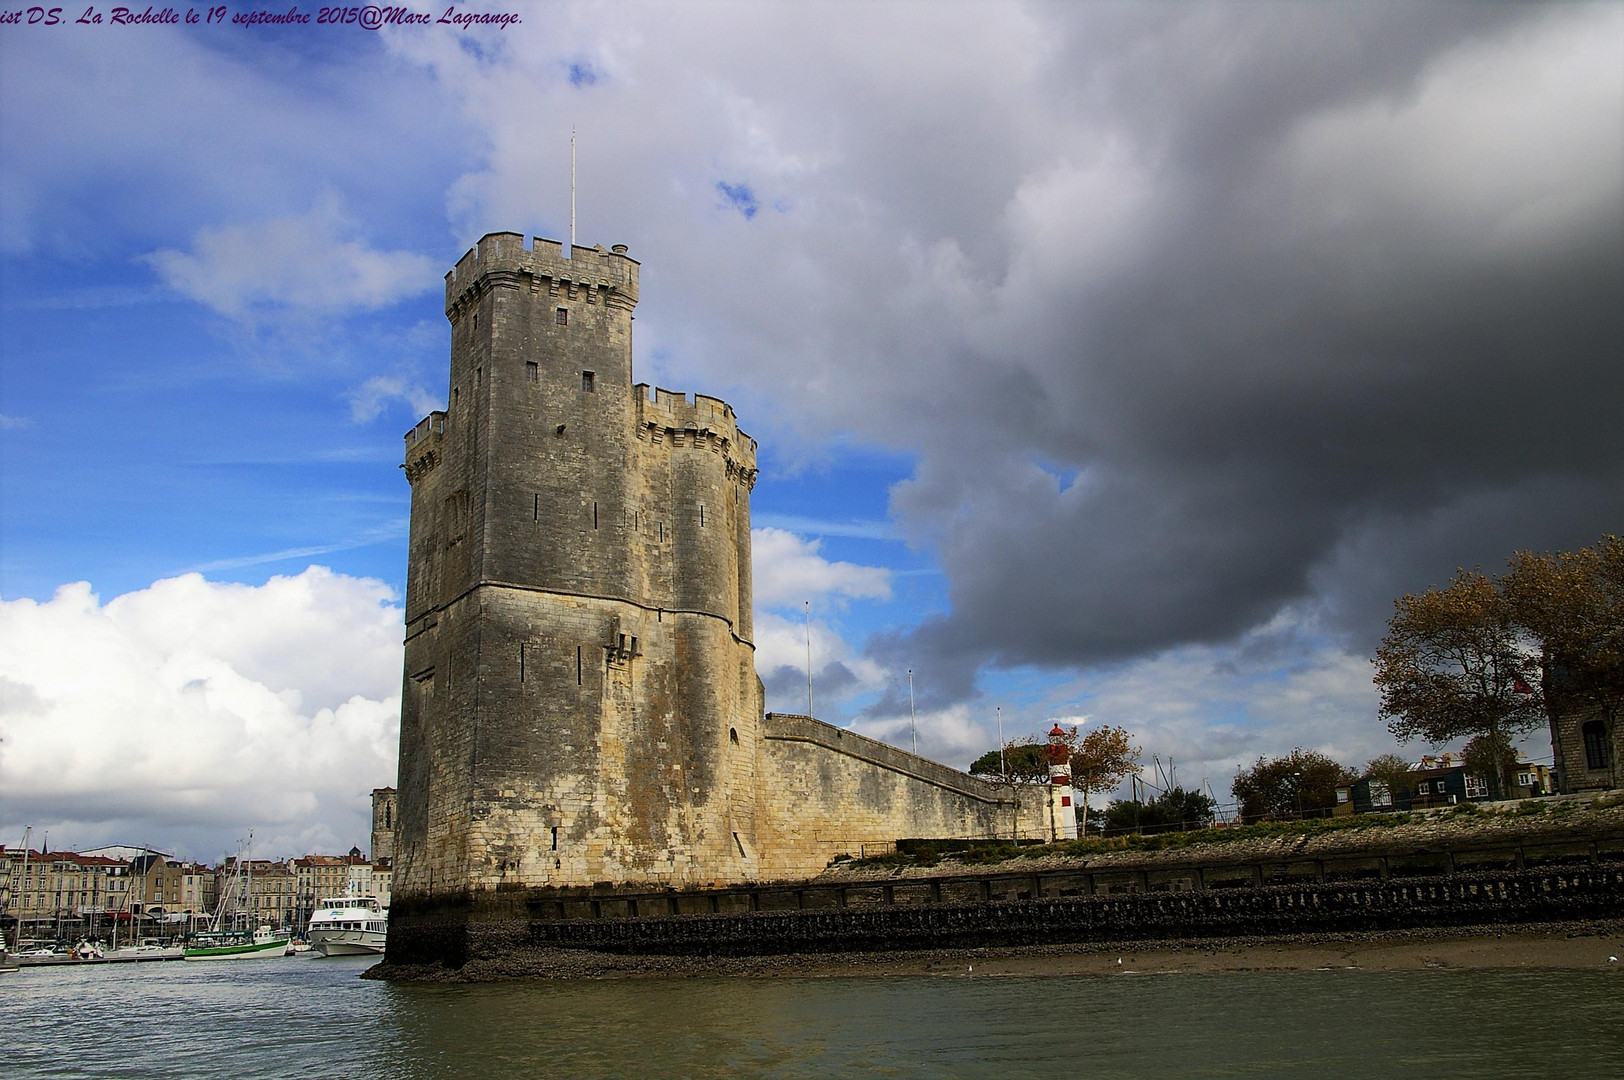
x=789 y=570
x=185 y=713
x=309 y=262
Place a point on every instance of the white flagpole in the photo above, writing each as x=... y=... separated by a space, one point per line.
x=912 y=728
x=1003 y=763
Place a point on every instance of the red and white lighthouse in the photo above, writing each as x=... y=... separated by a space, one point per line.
x=1062 y=814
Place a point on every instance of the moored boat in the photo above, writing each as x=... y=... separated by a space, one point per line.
x=349 y=926
x=236 y=944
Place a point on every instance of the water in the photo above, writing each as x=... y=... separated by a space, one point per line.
x=315 y=1018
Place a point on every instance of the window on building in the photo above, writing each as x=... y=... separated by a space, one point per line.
x=562 y=316
x=1525 y=779
x=588 y=382
x=532 y=371
x=1379 y=794
x=1594 y=734
x=1476 y=788
x=1423 y=788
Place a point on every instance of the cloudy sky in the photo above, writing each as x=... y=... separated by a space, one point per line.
x=1111 y=363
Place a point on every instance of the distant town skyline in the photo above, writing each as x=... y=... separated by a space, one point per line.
x=1110 y=363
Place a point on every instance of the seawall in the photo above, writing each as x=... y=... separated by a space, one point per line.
x=1544 y=879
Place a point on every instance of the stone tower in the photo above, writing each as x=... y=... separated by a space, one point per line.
x=383 y=825
x=580 y=699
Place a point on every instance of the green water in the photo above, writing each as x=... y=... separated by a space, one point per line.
x=315 y=1018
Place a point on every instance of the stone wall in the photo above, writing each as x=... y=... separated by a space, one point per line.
x=509 y=938
x=826 y=791
x=1575 y=770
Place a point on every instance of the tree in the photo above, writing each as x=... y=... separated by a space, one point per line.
x=1302 y=782
x=1491 y=758
x=1100 y=762
x=1393 y=773
x=1027 y=762
x=1572 y=603
x=1453 y=665
x=1173 y=810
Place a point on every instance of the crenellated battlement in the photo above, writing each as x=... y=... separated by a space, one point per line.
x=670 y=417
x=593 y=274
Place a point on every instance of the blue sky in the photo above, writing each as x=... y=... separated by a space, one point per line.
x=1111 y=363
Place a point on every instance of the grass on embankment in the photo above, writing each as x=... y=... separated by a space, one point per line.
x=980 y=854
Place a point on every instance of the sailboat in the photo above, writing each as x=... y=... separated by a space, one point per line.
x=222 y=942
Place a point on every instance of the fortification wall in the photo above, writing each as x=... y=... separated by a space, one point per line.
x=580 y=703
x=612 y=275
x=505 y=935
x=826 y=791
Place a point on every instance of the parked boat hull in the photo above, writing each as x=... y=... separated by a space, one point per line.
x=347 y=942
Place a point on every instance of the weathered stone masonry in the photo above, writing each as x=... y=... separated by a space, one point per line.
x=580 y=702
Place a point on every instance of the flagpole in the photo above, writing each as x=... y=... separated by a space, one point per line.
x=913 y=729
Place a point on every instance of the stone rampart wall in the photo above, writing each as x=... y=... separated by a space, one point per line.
x=824 y=791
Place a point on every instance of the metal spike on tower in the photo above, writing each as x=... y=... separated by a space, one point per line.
x=1062 y=814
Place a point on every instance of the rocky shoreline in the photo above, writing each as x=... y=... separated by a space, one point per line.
x=1586 y=945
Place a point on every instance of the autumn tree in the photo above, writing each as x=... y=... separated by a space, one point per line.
x=1100 y=761
x=1572 y=604
x=1303 y=782
x=1453 y=664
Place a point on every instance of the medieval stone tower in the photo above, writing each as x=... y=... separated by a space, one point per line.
x=580 y=704
x=579 y=665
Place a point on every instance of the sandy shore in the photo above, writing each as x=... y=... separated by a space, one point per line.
x=1564 y=946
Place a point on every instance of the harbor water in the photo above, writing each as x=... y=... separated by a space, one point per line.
x=317 y=1018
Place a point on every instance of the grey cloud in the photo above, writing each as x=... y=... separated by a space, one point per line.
x=1190 y=313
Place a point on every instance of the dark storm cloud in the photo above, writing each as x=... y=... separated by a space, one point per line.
x=1336 y=359
x=1190 y=314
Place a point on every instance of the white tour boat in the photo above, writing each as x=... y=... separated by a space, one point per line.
x=348 y=926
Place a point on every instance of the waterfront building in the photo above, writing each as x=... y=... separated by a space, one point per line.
x=383 y=876
x=60 y=893
x=1437 y=781
x=317 y=877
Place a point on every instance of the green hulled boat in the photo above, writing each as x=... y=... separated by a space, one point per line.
x=237 y=944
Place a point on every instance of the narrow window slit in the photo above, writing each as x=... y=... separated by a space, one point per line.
x=578 y=668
